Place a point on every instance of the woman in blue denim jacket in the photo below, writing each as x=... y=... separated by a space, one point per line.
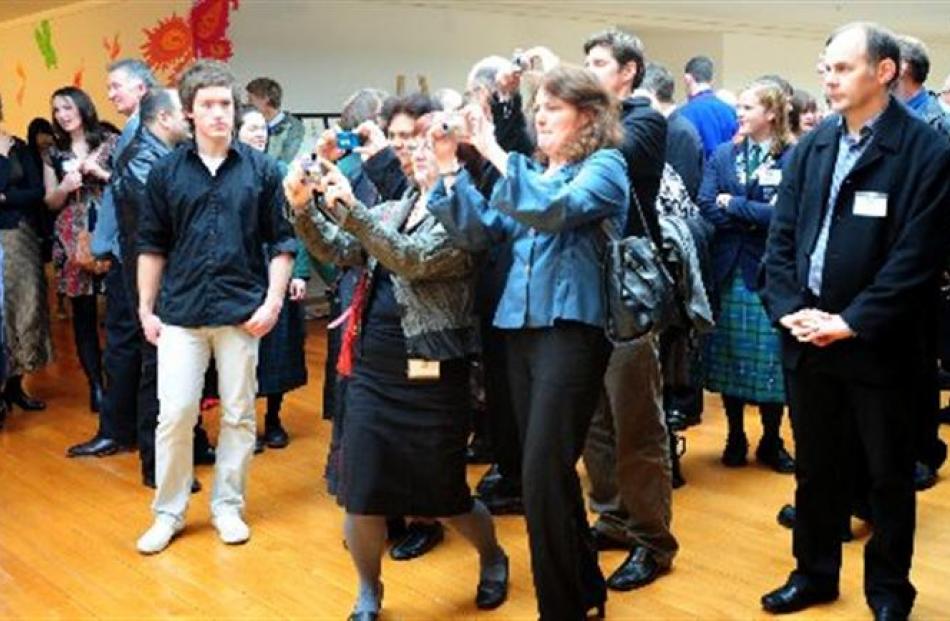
x=549 y=211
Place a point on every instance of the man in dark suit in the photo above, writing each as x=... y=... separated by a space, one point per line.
x=854 y=250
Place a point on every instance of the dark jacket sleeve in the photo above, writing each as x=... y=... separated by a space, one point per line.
x=753 y=211
x=783 y=294
x=155 y=221
x=511 y=126
x=384 y=170
x=644 y=150
x=30 y=189
x=715 y=182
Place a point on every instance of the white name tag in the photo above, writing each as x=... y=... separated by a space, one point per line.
x=870 y=204
x=420 y=369
x=770 y=177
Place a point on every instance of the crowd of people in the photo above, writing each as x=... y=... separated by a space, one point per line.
x=463 y=237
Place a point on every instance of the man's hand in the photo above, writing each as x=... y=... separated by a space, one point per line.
x=816 y=327
x=151 y=325
x=263 y=319
x=297 y=289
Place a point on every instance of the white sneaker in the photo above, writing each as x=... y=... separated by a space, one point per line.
x=159 y=535
x=231 y=528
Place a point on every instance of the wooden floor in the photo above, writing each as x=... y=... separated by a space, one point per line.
x=68 y=531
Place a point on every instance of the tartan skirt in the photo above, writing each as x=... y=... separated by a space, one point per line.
x=742 y=355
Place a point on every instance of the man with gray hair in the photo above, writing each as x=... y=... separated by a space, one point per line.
x=915 y=67
x=127 y=82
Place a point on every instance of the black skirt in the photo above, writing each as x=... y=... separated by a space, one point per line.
x=404 y=440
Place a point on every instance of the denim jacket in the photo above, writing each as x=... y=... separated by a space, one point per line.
x=553 y=224
x=433 y=279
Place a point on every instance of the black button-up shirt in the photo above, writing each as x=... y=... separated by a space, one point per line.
x=212 y=230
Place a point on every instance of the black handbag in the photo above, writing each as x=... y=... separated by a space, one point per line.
x=638 y=288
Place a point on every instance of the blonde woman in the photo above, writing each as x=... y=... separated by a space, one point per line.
x=739 y=187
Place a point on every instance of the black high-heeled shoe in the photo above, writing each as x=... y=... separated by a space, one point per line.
x=369 y=615
x=492 y=593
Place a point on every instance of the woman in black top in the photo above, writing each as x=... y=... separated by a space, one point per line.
x=26 y=313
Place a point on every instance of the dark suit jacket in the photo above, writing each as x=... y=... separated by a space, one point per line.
x=878 y=272
x=644 y=149
x=742 y=227
x=684 y=152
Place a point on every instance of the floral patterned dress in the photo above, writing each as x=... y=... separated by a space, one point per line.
x=76 y=218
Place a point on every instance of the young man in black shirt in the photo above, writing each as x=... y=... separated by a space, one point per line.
x=210 y=207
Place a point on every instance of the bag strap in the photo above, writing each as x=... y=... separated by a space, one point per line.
x=614 y=235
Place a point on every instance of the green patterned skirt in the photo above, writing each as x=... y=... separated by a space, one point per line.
x=743 y=356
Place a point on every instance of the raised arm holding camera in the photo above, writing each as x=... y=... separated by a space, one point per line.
x=407 y=401
x=549 y=212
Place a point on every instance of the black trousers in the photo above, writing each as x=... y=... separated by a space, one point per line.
x=502 y=428
x=122 y=360
x=824 y=406
x=86 y=336
x=556 y=376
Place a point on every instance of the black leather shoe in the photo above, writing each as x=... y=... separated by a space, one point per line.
x=259 y=445
x=797 y=594
x=925 y=477
x=489 y=480
x=25 y=402
x=276 y=437
x=604 y=542
x=889 y=613
x=420 y=538
x=492 y=593
x=735 y=453
x=98 y=447
x=204 y=456
x=499 y=503
x=148 y=481
x=786 y=516
x=639 y=570
x=774 y=455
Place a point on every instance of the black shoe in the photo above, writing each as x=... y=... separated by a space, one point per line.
x=15 y=395
x=148 y=481
x=501 y=503
x=396 y=529
x=420 y=538
x=639 y=570
x=492 y=593
x=796 y=594
x=772 y=453
x=604 y=542
x=925 y=477
x=488 y=481
x=889 y=613
x=259 y=445
x=95 y=397
x=204 y=456
x=676 y=420
x=478 y=451
x=786 y=516
x=276 y=437
x=736 y=451
x=98 y=447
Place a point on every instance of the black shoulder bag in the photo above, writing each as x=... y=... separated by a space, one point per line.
x=637 y=286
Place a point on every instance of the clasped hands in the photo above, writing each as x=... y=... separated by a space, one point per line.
x=817 y=327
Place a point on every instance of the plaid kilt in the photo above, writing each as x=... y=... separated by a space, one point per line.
x=742 y=354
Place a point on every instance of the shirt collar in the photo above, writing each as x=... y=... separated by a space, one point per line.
x=234 y=148
x=867 y=130
x=918 y=101
x=274 y=122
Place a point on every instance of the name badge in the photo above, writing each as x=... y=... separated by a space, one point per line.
x=420 y=369
x=870 y=204
x=771 y=177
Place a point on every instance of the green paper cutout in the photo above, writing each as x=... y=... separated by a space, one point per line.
x=44 y=40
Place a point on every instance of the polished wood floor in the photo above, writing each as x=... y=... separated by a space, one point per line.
x=68 y=531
